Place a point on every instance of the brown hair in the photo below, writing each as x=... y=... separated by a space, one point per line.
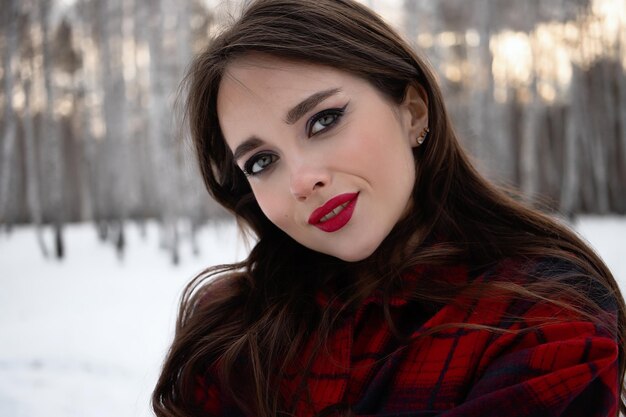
x=250 y=320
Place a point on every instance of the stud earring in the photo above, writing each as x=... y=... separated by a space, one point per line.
x=422 y=137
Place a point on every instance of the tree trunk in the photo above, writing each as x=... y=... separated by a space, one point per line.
x=162 y=76
x=600 y=137
x=33 y=199
x=10 y=131
x=620 y=204
x=52 y=159
x=533 y=108
x=570 y=183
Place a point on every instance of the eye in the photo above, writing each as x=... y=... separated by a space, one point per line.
x=258 y=163
x=324 y=120
x=322 y=123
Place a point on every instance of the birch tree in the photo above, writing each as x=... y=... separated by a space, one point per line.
x=52 y=153
x=620 y=184
x=532 y=109
x=10 y=15
x=32 y=180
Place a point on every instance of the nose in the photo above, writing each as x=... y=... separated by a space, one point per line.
x=306 y=180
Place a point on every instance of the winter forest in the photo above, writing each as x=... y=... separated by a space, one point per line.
x=89 y=129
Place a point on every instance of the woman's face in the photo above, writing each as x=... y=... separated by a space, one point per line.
x=328 y=157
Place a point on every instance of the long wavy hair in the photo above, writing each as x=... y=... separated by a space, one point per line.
x=246 y=322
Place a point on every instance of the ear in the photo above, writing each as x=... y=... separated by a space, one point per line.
x=414 y=109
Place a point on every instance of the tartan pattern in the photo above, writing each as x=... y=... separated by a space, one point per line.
x=566 y=368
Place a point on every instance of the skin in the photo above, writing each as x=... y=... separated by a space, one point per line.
x=351 y=140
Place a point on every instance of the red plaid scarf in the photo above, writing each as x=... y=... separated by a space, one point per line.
x=567 y=367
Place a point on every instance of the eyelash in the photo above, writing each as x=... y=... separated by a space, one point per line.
x=336 y=112
x=249 y=165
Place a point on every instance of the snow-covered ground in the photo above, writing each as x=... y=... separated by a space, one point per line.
x=85 y=336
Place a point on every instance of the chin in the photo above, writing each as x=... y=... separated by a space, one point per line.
x=354 y=254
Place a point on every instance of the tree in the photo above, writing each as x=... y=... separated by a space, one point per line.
x=10 y=16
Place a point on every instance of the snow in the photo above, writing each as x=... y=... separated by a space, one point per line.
x=607 y=235
x=85 y=336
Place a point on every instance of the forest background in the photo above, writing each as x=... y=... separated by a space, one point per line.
x=89 y=133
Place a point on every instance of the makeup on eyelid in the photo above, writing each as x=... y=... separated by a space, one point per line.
x=336 y=113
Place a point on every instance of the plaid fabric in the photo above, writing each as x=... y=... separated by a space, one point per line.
x=566 y=367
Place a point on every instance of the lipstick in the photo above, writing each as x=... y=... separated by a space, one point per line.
x=335 y=213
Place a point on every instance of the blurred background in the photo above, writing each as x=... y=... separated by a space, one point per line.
x=537 y=90
x=103 y=216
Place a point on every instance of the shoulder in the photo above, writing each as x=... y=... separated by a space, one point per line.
x=557 y=346
x=542 y=300
x=520 y=294
x=567 y=281
x=514 y=339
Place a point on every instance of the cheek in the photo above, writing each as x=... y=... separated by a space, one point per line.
x=381 y=154
x=275 y=208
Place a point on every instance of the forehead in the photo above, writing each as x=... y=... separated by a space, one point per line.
x=264 y=80
x=257 y=91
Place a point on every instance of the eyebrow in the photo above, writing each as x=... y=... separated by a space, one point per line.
x=246 y=146
x=293 y=115
x=309 y=103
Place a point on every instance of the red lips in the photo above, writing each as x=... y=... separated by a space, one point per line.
x=335 y=213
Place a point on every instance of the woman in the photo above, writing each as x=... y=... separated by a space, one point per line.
x=388 y=277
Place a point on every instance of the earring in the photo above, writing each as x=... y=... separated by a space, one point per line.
x=422 y=137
